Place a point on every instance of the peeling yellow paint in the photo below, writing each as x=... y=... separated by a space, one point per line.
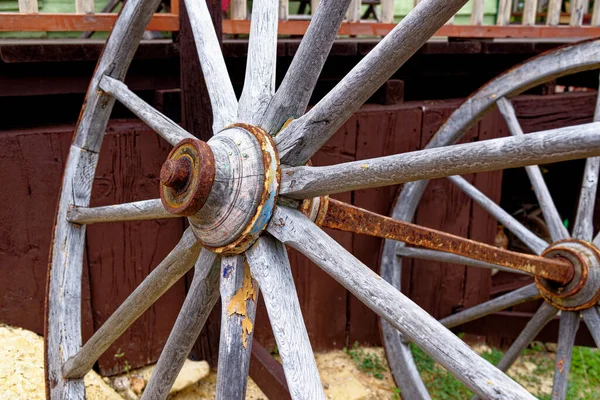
x=237 y=305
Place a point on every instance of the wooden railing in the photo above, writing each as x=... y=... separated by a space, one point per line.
x=513 y=18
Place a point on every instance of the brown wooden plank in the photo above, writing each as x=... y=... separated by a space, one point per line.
x=267 y=373
x=121 y=255
x=439 y=287
x=70 y=22
x=380 y=131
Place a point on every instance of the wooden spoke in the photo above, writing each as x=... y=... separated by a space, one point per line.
x=173 y=267
x=199 y=302
x=349 y=218
x=292 y=96
x=259 y=83
x=584 y=227
x=535 y=148
x=442 y=256
x=270 y=266
x=239 y=295
x=540 y=319
x=303 y=137
x=569 y=323
x=295 y=230
x=222 y=97
x=555 y=225
x=166 y=128
x=136 y=211
x=535 y=243
x=526 y=293
x=591 y=316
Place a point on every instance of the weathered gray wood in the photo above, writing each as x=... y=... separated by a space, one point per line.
x=84 y=6
x=577 y=12
x=270 y=266
x=504 y=12
x=259 y=83
x=136 y=211
x=63 y=320
x=239 y=295
x=535 y=243
x=292 y=96
x=284 y=10
x=542 y=316
x=303 y=137
x=529 y=12
x=526 y=293
x=553 y=16
x=199 y=302
x=516 y=151
x=222 y=97
x=353 y=14
x=591 y=316
x=297 y=231
x=165 y=127
x=584 y=224
x=596 y=14
x=173 y=267
x=477 y=12
x=28 y=6
x=434 y=255
x=569 y=324
x=387 y=11
x=555 y=225
x=238 y=9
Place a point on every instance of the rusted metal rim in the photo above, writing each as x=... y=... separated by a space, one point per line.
x=268 y=197
x=583 y=291
x=187 y=177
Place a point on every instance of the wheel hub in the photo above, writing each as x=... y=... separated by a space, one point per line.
x=583 y=291
x=226 y=187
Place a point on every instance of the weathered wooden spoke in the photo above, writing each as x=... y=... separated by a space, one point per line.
x=569 y=324
x=136 y=211
x=555 y=225
x=535 y=148
x=162 y=125
x=295 y=230
x=200 y=300
x=169 y=271
x=349 y=218
x=535 y=243
x=584 y=224
x=303 y=137
x=591 y=316
x=270 y=267
x=222 y=97
x=259 y=84
x=239 y=295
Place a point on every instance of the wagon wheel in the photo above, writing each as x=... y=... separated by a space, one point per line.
x=242 y=190
x=576 y=298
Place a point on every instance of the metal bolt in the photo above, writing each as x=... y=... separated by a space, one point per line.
x=176 y=173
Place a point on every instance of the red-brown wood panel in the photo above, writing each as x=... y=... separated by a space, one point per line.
x=121 y=255
x=380 y=132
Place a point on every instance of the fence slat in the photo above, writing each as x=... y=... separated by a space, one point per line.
x=28 y=6
x=596 y=13
x=313 y=6
x=477 y=12
x=353 y=14
x=84 y=6
x=504 y=12
x=284 y=10
x=553 y=16
x=387 y=11
x=239 y=9
x=529 y=12
x=576 y=12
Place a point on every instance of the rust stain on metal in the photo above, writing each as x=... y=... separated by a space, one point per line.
x=238 y=304
x=346 y=217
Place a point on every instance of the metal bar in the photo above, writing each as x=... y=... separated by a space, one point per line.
x=349 y=218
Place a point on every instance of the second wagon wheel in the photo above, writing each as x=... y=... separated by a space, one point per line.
x=575 y=295
x=246 y=194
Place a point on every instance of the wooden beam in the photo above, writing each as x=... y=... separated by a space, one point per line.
x=66 y=22
x=268 y=373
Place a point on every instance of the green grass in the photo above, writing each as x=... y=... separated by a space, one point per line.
x=366 y=362
x=584 y=379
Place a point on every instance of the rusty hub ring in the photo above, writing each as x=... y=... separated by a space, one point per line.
x=187 y=177
x=583 y=291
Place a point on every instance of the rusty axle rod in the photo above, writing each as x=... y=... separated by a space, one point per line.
x=345 y=217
